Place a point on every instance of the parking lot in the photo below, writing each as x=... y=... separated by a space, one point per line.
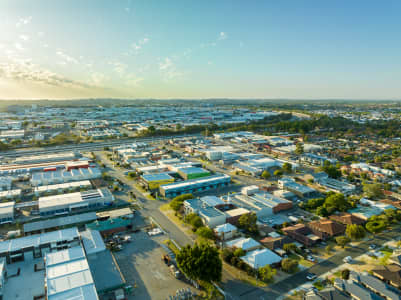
x=141 y=263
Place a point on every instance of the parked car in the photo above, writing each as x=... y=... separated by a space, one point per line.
x=372 y=247
x=311 y=276
x=311 y=258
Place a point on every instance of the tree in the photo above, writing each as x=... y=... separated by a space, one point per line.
x=290 y=247
x=355 y=231
x=178 y=201
x=194 y=220
x=328 y=249
x=373 y=190
x=331 y=170
x=336 y=202
x=200 y=262
x=239 y=252
x=299 y=148
x=322 y=211
x=345 y=274
x=205 y=232
x=248 y=222
x=227 y=254
x=287 y=167
x=267 y=273
x=278 y=173
x=266 y=174
x=342 y=241
x=289 y=265
x=375 y=226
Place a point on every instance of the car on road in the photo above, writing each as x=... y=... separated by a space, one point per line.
x=311 y=258
x=372 y=246
x=311 y=276
x=347 y=259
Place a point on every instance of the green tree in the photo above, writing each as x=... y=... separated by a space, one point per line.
x=299 y=148
x=289 y=265
x=267 y=273
x=336 y=202
x=278 y=173
x=239 y=252
x=342 y=241
x=345 y=274
x=328 y=249
x=194 y=220
x=355 y=232
x=178 y=201
x=287 y=167
x=205 y=232
x=331 y=170
x=322 y=211
x=200 y=262
x=266 y=174
x=248 y=222
x=290 y=247
x=376 y=226
x=373 y=190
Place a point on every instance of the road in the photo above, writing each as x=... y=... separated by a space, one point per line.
x=84 y=147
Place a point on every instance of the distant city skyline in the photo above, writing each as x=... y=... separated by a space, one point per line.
x=200 y=49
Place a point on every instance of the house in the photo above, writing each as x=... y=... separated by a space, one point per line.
x=277 y=242
x=233 y=215
x=302 y=234
x=246 y=244
x=396 y=257
x=390 y=273
x=347 y=219
x=355 y=290
x=260 y=258
x=326 y=228
x=326 y=294
x=374 y=284
x=225 y=231
x=300 y=190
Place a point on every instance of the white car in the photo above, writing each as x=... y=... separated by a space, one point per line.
x=347 y=259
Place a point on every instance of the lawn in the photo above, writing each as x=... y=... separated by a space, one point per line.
x=243 y=276
x=301 y=260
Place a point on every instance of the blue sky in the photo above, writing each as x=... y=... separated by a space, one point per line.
x=200 y=49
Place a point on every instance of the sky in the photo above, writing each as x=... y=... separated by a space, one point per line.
x=308 y=49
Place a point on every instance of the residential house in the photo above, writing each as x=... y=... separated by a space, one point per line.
x=302 y=234
x=326 y=228
x=390 y=274
x=347 y=219
x=246 y=244
x=260 y=258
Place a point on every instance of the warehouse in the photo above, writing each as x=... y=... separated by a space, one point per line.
x=58 y=223
x=34 y=246
x=74 y=202
x=153 y=181
x=62 y=187
x=193 y=173
x=5 y=183
x=300 y=190
x=68 y=275
x=62 y=176
x=7 y=212
x=195 y=185
x=12 y=194
x=205 y=208
x=46 y=158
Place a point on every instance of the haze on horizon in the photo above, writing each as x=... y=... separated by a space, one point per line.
x=200 y=49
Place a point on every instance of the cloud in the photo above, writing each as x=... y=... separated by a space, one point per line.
x=41 y=34
x=118 y=67
x=139 y=44
x=168 y=69
x=25 y=70
x=166 y=64
x=222 y=36
x=133 y=80
x=24 y=37
x=66 y=57
x=23 y=21
x=98 y=78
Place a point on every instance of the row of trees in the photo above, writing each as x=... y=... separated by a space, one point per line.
x=333 y=202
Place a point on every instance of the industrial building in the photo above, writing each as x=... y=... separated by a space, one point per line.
x=68 y=275
x=50 y=177
x=193 y=173
x=75 y=202
x=34 y=246
x=334 y=185
x=153 y=181
x=61 y=187
x=7 y=212
x=46 y=158
x=300 y=190
x=194 y=185
x=207 y=210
